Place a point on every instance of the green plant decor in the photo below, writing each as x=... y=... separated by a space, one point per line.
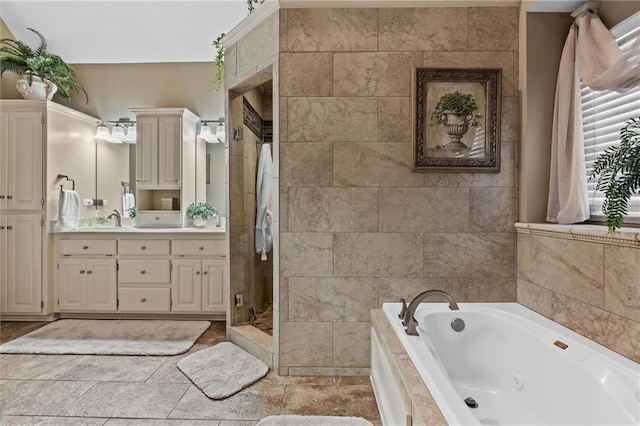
x=217 y=43
x=457 y=103
x=618 y=172
x=203 y=210
x=132 y=212
x=24 y=60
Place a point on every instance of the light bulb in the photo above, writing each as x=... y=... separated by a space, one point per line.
x=205 y=132
x=220 y=133
x=102 y=132
x=117 y=134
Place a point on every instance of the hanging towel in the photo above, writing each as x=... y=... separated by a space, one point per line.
x=264 y=189
x=128 y=201
x=68 y=209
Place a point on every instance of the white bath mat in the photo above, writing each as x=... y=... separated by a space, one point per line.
x=222 y=370
x=109 y=337
x=313 y=421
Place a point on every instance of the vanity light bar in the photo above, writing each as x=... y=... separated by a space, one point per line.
x=122 y=131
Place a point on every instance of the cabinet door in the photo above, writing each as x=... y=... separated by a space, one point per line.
x=186 y=286
x=24 y=161
x=72 y=288
x=24 y=263
x=169 y=141
x=101 y=285
x=147 y=152
x=213 y=281
x=3 y=262
x=4 y=147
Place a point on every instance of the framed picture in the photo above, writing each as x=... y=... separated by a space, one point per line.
x=456 y=120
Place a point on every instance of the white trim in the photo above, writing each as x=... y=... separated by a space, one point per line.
x=260 y=14
x=598 y=233
x=46 y=106
x=61 y=109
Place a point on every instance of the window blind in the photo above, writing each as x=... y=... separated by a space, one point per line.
x=604 y=114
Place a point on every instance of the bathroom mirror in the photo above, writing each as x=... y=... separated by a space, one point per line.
x=115 y=163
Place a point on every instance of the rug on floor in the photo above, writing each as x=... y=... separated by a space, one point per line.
x=222 y=370
x=109 y=337
x=313 y=421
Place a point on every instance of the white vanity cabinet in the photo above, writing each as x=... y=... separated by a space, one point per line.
x=86 y=276
x=150 y=273
x=144 y=275
x=198 y=275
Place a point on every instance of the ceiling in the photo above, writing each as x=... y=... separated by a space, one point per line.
x=149 y=31
x=118 y=31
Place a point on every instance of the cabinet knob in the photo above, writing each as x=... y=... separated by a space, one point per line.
x=143 y=272
x=157 y=218
x=176 y=180
x=201 y=248
x=204 y=273
x=9 y=228
x=1 y=197
x=85 y=247
x=143 y=247
x=89 y=272
x=143 y=300
x=1 y=228
x=82 y=272
x=197 y=272
x=9 y=197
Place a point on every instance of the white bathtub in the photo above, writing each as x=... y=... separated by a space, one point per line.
x=506 y=360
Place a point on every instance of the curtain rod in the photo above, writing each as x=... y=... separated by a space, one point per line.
x=592 y=6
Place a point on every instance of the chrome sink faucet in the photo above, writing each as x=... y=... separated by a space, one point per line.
x=116 y=214
x=407 y=312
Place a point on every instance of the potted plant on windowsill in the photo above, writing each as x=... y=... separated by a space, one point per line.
x=43 y=73
x=456 y=112
x=618 y=173
x=201 y=212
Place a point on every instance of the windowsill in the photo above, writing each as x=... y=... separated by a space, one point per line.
x=594 y=233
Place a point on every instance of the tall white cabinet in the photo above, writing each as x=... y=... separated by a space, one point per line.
x=165 y=157
x=22 y=202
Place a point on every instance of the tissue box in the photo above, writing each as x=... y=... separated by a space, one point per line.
x=169 y=204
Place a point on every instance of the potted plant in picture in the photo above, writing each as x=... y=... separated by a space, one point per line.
x=456 y=112
x=43 y=73
x=201 y=212
x=618 y=173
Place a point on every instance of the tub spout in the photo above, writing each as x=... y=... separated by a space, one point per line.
x=410 y=322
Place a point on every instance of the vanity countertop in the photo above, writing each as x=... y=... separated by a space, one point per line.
x=132 y=230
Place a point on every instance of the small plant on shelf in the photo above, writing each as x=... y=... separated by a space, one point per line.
x=618 y=173
x=132 y=212
x=204 y=210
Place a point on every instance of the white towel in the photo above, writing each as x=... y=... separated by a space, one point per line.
x=264 y=190
x=128 y=201
x=68 y=209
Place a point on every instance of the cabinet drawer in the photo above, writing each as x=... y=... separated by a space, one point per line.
x=199 y=247
x=143 y=247
x=144 y=271
x=158 y=219
x=91 y=247
x=144 y=299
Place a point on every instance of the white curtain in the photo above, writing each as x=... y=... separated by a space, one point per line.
x=591 y=52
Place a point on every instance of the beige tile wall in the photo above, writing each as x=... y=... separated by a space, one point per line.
x=592 y=288
x=357 y=226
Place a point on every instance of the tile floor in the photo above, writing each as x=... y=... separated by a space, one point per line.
x=150 y=390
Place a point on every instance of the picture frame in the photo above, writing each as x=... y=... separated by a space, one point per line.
x=456 y=119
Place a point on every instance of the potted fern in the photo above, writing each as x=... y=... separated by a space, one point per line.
x=618 y=173
x=201 y=212
x=456 y=112
x=43 y=73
